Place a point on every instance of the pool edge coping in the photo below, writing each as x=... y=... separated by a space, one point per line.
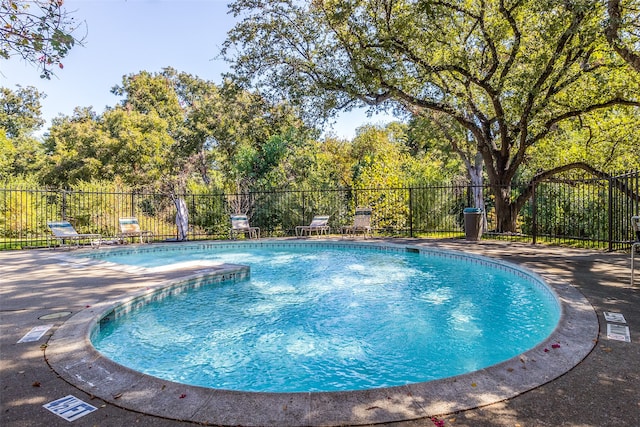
x=72 y=356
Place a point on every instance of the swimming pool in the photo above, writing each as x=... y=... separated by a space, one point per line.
x=330 y=317
x=72 y=356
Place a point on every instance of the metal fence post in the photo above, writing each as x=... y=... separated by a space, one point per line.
x=534 y=214
x=610 y=214
x=303 y=207
x=410 y=212
x=63 y=208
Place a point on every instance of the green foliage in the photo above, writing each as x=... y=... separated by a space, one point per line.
x=152 y=93
x=21 y=211
x=607 y=140
x=20 y=117
x=383 y=157
x=20 y=111
x=72 y=147
x=321 y=164
x=7 y=155
x=207 y=210
x=139 y=148
x=575 y=210
x=214 y=127
x=270 y=164
x=129 y=145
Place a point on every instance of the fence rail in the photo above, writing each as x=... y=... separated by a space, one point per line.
x=588 y=212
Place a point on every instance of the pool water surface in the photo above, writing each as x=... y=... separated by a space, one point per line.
x=330 y=318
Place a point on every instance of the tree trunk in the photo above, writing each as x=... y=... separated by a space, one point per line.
x=477 y=186
x=506 y=212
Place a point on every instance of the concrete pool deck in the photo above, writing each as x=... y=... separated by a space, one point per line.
x=601 y=390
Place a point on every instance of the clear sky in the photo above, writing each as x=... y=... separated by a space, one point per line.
x=127 y=36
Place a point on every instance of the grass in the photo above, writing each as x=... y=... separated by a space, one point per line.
x=39 y=242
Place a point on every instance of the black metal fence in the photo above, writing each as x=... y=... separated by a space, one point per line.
x=595 y=211
x=587 y=212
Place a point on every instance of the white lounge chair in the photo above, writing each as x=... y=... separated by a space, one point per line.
x=635 y=224
x=240 y=224
x=319 y=224
x=361 y=223
x=130 y=227
x=63 y=231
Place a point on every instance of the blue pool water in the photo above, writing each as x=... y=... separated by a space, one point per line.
x=319 y=318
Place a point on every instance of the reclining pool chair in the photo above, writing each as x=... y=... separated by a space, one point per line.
x=635 y=224
x=130 y=227
x=319 y=224
x=361 y=223
x=63 y=231
x=240 y=224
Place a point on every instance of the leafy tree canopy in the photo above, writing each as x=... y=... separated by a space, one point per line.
x=20 y=118
x=607 y=140
x=20 y=111
x=172 y=127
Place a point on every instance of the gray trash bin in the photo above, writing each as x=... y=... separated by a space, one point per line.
x=473 y=223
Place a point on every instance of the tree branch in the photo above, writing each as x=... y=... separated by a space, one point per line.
x=550 y=124
x=612 y=32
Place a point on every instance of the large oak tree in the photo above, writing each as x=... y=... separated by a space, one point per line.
x=509 y=72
